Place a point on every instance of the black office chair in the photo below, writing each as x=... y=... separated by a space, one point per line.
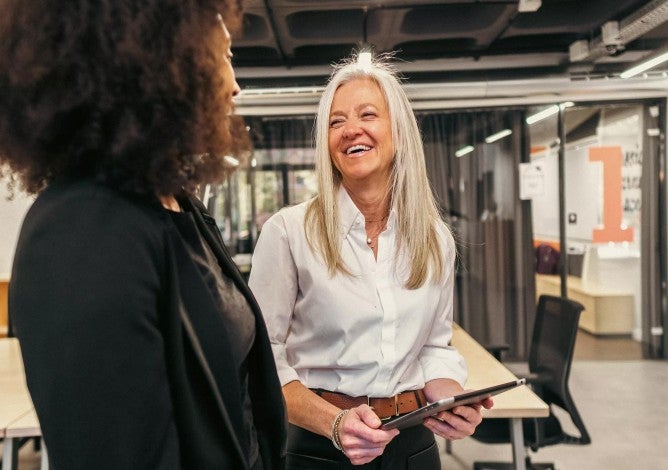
x=550 y=358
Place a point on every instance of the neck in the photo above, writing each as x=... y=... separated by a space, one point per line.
x=170 y=203
x=374 y=204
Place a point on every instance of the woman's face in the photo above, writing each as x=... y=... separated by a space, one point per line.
x=360 y=134
x=229 y=80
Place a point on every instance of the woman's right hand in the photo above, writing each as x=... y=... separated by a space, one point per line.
x=360 y=437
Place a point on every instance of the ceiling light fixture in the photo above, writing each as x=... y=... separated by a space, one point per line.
x=499 y=135
x=364 y=58
x=648 y=64
x=463 y=151
x=547 y=112
x=365 y=54
x=528 y=5
x=230 y=160
x=578 y=50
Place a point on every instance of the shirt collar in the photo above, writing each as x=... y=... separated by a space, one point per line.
x=349 y=213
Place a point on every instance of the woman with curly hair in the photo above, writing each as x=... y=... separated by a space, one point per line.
x=142 y=344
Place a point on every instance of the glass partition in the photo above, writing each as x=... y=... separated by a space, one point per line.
x=605 y=180
x=495 y=175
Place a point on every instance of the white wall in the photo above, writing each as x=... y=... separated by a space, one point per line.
x=11 y=216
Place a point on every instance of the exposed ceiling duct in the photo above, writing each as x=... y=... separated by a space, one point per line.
x=616 y=35
x=294 y=42
x=457 y=95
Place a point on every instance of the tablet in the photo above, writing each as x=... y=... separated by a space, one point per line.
x=466 y=398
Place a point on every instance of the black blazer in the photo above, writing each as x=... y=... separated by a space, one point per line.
x=126 y=355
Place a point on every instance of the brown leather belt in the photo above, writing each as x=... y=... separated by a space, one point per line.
x=384 y=407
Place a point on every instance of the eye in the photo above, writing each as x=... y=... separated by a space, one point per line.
x=368 y=114
x=335 y=123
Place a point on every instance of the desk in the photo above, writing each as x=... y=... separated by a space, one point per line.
x=606 y=311
x=485 y=370
x=18 y=419
x=17 y=414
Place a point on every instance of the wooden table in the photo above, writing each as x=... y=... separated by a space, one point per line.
x=18 y=419
x=17 y=414
x=485 y=370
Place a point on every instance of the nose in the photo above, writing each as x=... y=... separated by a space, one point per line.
x=351 y=130
x=235 y=88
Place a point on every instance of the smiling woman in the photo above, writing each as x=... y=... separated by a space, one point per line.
x=360 y=140
x=361 y=313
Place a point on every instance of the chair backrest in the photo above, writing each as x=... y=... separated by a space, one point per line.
x=551 y=354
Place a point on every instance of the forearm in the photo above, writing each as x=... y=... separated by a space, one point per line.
x=441 y=388
x=307 y=410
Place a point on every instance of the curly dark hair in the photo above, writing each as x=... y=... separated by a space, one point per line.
x=128 y=92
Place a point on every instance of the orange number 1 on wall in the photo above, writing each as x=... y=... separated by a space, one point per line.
x=612 y=230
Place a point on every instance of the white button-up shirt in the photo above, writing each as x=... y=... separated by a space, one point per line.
x=364 y=334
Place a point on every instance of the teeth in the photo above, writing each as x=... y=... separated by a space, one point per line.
x=356 y=148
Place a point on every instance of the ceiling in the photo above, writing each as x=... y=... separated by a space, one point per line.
x=292 y=43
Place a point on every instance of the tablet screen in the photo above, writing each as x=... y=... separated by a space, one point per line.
x=416 y=417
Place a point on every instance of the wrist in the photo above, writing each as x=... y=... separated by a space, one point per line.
x=334 y=435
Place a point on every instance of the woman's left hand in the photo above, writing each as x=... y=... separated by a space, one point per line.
x=458 y=422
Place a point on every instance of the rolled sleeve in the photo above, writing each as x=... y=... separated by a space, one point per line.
x=443 y=363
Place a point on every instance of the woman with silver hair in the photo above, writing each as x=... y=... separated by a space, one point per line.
x=360 y=313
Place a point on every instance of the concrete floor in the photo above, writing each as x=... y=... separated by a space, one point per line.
x=623 y=405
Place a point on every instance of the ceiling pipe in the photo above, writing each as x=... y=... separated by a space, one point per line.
x=304 y=100
x=616 y=35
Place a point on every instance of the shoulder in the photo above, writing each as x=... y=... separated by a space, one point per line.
x=289 y=218
x=445 y=237
x=111 y=247
x=85 y=212
x=89 y=200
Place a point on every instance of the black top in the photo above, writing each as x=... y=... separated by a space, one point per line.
x=234 y=309
x=129 y=360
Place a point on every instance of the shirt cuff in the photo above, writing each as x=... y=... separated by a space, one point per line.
x=451 y=367
x=286 y=374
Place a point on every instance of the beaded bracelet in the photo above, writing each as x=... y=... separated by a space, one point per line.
x=336 y=439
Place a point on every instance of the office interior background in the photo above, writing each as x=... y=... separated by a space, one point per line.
x=523 y=106
x=537 y=131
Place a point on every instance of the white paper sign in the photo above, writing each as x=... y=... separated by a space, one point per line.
x=532 y=180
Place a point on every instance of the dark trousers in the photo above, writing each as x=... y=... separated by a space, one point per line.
x=413 y=449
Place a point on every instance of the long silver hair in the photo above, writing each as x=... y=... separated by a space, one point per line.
x=410 y=192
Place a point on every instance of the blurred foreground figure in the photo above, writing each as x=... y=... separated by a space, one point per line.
x=143 y=346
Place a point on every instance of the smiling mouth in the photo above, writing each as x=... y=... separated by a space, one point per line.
x=357 y=149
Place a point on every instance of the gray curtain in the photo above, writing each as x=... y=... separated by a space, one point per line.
x=278 y=132
x=478 y=195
